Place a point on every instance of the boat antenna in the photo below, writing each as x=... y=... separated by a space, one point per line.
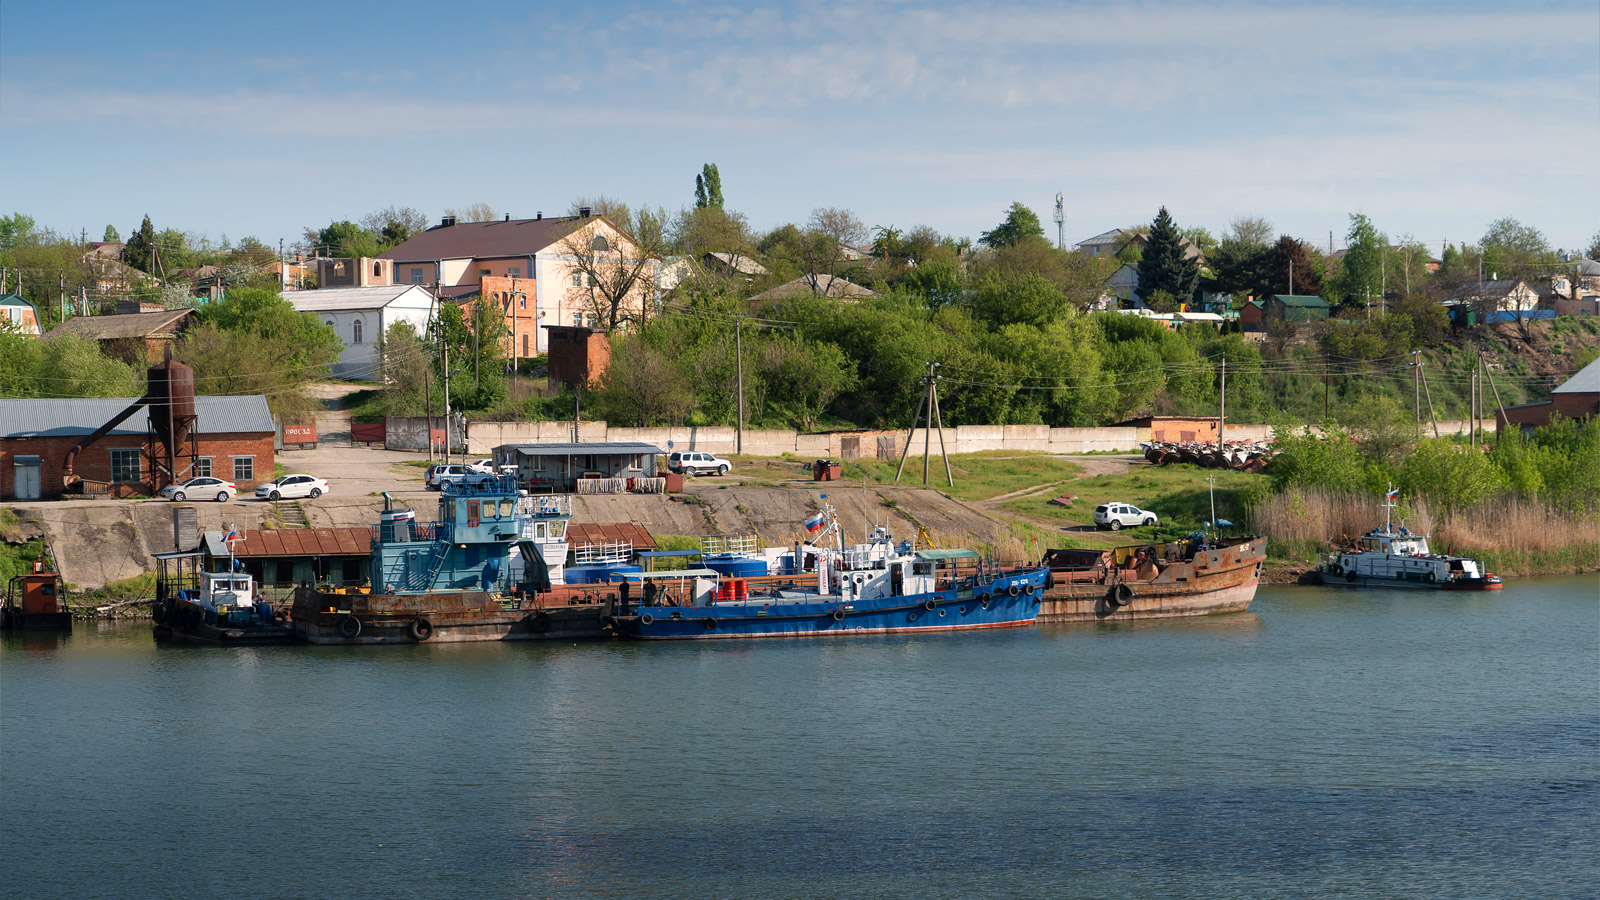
x=1388 y=508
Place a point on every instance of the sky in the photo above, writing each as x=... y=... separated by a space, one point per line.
x=1431 y=118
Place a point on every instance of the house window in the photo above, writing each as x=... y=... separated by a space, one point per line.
x=514 y=271
x=600 y=244
x=202 y=467
x=577 y=279
x=244 y=468
x=522 y=301
x=377 y=270
x=577 y=320
x=355 y=332
x=416 y=276
x=125 y=466
x=524 y=345
x=482 y=272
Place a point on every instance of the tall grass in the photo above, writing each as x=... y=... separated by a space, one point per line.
x=1517 y=536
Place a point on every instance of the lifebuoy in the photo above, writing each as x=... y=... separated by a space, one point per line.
x=710 y=623
x=930 y=604
x=646 y=618
x=421 y=629
x=1013 y=590
x=349 y=627
x=838 y=615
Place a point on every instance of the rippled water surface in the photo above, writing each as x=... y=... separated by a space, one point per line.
x=1325 y=744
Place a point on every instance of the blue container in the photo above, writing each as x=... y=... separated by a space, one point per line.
x=599 y=574
x=736 y=566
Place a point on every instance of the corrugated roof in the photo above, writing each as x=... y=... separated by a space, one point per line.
x=354 y=298
x=14 y=300
x=163 y=324
x=296 y=542
x=482 y=240
x=623 y=447
x=821 y=285
x=1587 y=381
x=80 y=416
x=593 y=532
x=1303 y=301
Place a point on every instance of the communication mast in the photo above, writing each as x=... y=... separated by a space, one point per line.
x=1061 y=222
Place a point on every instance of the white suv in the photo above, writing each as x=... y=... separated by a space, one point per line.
x=694 y=462
x=1116 y=516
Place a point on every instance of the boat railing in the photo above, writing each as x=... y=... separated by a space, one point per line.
x=603 y=551
x=545 y=506
x=400 y=532
x=480 y=485
x=725 y=545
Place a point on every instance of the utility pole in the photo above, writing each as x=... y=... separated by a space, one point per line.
x=1497 y=404
x=477 y=352
x=427 y=406
x=444 y=348
x=1222 y=418
x=1291 y=275
x=1416 y=388
x=1061 y=222
x=1429 y=395
x=738 y=352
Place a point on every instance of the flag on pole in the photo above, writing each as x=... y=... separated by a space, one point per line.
x=1394 y=494
x=814 y=523
x=231 y=536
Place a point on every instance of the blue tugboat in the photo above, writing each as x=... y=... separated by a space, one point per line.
x=874 y=587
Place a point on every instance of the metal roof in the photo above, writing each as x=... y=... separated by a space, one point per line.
x=947 y=554
x=295 y=542
x=482 y=240
x=821 y=285
x=80 y=416
x=1304 y=301
x=162 y=324
x=355 y=298
x=1587 y=381
x=598 y=449
x=598 y=532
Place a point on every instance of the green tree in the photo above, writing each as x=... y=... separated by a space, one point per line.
x=394 y=225
x=1163 y=266
x=17 y=230
x=1242 y=269
x=1359 y=276
x=348 y=240
x=1020 y=223
x=641 y=386
x=1003 y=299
x=141 y=247
x=808 y=375
x=1292 y=268
x=111 y=234
x=63 y=366
x=708 y=187
x=1514 y=250
x=1594 y=247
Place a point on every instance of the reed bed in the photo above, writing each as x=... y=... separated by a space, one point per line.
x=1520 y=536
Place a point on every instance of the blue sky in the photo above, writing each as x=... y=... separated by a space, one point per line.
x=243 y=119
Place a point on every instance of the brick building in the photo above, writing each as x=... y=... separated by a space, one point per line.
x=577 y=355
x=1577 y=398
x=234 y=437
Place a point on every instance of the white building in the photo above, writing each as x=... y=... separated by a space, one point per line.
x=360 y=314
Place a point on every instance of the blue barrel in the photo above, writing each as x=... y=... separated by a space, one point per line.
x=736 y=566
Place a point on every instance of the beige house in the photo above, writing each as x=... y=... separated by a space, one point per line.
x=526 y=266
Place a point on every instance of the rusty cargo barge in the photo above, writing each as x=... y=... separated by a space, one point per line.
x=1188 y=577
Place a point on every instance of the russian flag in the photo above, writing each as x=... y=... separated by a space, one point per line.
x=231 y=536
x=1394 y=494
x=814 y=523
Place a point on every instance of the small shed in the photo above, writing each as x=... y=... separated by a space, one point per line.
x=279 y=559
x=559 y=467
x=578 y=355
x=1177 y=429
x=138 y=339
x=1295 y=308
x=18 y=316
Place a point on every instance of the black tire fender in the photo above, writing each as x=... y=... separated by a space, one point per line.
x=1124 y=595
x=646 y=618
x=710 y=623
x=930 y=604
x=1350 y=576
x=1049 y=580
x=1013 y=590
x=540 y=621
x=837 y=615
x=1028 y=589
x=349 y=628
x=420 y=629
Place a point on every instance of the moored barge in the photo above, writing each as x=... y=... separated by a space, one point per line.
x=1188 y=577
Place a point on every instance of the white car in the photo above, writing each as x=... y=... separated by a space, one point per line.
x=487 y=467
x=1117 y=516
x=203 y=488
x=293 y=486
x=695 y=462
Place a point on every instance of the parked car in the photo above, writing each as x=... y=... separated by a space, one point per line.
x=292 y=486
x=695 y=462
x=1117 y=516
x=438 y=474
x=202 y=488
x=487 y=467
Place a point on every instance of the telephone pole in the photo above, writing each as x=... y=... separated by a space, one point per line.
x=1222 y=417
x=738 y=353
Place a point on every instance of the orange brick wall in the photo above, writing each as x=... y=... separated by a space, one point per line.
x=515 y=297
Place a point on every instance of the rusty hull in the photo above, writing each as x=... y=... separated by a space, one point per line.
x=446 y=617
x=1215 y=581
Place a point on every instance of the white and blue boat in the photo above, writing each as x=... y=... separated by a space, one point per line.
x=875 y=587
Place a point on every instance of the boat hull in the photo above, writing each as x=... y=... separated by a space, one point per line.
x=440 y=618
x=13 y=620
x=1220 y=580
x=179 y=621
x=895 y=615
x=1369 y=581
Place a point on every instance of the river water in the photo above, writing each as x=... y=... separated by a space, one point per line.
x=1327 y=743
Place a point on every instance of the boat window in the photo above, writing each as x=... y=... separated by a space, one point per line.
x=558 y=530
x=538 y=530
x=507 y=507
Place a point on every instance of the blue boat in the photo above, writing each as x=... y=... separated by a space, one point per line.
x=874 y=587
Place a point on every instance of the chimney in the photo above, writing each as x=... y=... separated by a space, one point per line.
x=585 y=211
x=508 y=217
x=538 y=216
x=447 y=221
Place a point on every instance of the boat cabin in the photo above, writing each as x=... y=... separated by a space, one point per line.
x=234 y=590
x=1401 y=543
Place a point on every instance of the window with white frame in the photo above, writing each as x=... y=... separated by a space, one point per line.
x=125 y=466
x=522 y=301
x=244 y=468
x=355 y=332
x=202 y=467
x=577 y=279
x=577 y=320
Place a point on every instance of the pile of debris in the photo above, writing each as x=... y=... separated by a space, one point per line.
x=1245 y=456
